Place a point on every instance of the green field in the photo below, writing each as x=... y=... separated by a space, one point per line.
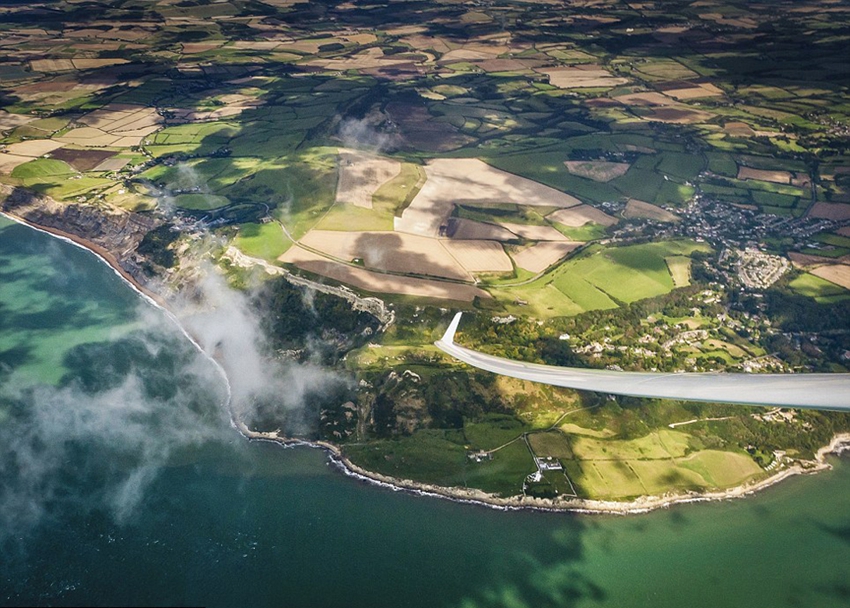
x=654 y=464
x=438 y=457
x=815 y=287
x=661 y=444
x=200 y=202
x=599 y=278
x=265 y=241
x=57 y=179
x=588 y=232
x=552 y=443
x=680 y=270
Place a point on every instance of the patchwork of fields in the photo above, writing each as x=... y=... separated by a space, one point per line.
x=579 y=174
x=566 y=127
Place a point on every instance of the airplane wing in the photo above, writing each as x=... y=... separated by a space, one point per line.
x=814 y=391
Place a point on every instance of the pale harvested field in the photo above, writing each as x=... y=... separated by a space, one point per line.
x=664 y=109
x=834 y=273
x=739 y=129
x=33 y=147
x=697 y=92
x=464 y=229
x=92 y=64
x=140 y=133
x=282 y=3
x=647 y=98
x=310 y=47
x=467 y=55
x=256 y=45
x=777 y=177
x=844 y=231
x=184 y=115
x=51 y=65
x=581 y=215
x=459 y=181
x=10 y=121
x=122 y=119
x=597 y=170
x=84 y=33
x=589 y=76
x=505 y=65
x=361 y=174
x=10 y=161
x=831 y=211
x=87 y=136
x=128 y=142
x=475 y=17
x=539 y=257
x=361 y=39
x=479 y=256
x=534 y=233
x=635 y=208
x=380 y=283
x=370 y=58
x=112 y=164
x=192 y=48
x=679 y=114
x=424 y=43
x=389 y=252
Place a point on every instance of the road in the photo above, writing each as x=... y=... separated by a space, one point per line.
x=814 y=391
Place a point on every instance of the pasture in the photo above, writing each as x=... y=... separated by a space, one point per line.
x=600 y=278
x=265 y=241
x=654 y=464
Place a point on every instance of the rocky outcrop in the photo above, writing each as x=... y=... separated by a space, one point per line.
x=113 y=233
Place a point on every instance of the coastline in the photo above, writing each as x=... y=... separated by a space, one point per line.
x=94 y=248
x=644 y=504
x=839 y=443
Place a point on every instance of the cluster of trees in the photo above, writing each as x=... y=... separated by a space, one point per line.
x=444 y=398
x=292 y=315
x=155 y=247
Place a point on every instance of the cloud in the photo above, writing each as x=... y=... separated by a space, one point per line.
x=100 y=447
x=127 y=406
x=367 y=134
x=263 y=389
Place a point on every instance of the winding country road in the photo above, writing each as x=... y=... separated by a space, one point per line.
x=814 y=391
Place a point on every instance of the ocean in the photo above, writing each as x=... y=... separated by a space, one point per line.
x=122 y=481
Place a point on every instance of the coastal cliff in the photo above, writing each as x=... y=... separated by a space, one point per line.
x=113 y=234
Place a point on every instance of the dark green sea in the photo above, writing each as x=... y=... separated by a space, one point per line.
x=122 y=482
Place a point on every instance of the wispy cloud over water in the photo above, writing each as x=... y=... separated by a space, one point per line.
x=126 y=407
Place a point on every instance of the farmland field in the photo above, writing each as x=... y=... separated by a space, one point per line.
x=599 y=278
x=265 y=241
x=576 y=177
x=653 y=464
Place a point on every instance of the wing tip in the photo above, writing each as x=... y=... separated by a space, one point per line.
x=449 y=337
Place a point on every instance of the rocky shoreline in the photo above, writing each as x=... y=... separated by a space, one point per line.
x=644 y=504
x=94 y=237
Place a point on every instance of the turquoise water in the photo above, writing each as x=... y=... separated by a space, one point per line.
x=143 y=494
